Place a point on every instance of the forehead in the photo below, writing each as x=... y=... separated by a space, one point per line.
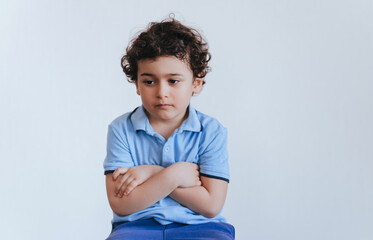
x=163 y=65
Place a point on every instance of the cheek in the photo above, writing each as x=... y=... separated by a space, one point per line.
x=184 y=95
x=144 y=98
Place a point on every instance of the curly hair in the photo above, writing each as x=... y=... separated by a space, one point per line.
x=167 y=38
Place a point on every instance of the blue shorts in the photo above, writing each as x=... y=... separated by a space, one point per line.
x=149 y=229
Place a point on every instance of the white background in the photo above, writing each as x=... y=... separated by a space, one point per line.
x=292 y=81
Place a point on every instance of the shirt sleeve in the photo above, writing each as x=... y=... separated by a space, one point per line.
x=117 y=150
x=213 y=161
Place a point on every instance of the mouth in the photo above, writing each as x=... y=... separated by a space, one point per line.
x=163 y=105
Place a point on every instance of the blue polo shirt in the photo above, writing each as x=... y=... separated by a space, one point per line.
x=200 y=139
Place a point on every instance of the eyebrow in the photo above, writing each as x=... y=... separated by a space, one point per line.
x=152 y=75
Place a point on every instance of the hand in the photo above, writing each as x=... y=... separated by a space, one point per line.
x=187 y=174
x=127 y=179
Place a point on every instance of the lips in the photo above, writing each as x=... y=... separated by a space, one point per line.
x=163 y=105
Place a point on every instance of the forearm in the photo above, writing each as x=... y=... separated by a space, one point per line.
x=207 y=200
x=154 y=189
x=196 y=199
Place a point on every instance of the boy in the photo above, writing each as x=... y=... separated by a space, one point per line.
x=167 y=167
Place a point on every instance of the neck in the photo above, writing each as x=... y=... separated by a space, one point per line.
x=166 y=128
x=165 y=131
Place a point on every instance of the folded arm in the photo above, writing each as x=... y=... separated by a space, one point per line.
x=206 y=200
x=158 y=186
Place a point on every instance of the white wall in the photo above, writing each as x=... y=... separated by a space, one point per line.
x=292 y=81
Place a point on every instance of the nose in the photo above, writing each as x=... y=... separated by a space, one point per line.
x=163 y=90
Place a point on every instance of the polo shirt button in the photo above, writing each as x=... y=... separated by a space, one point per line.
x=166 y=149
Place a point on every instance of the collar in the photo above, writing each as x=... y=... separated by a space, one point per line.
x=192 y=123
x=141 y=122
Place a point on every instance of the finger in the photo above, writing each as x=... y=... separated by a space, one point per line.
x=119 y=171
x=117 y=185
x=198 y=181
x=124 y=186
x=120 y=183
x=195 y=166
x=130 y=187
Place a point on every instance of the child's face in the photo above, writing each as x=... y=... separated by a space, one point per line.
x=166 y=85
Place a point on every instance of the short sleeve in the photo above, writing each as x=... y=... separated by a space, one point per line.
x=213 y=160
x=117 y=150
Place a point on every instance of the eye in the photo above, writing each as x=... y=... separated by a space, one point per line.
x=173 y=81
x=148 y=82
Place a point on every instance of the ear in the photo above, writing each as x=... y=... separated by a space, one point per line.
x=137 y=88
x=197 y=85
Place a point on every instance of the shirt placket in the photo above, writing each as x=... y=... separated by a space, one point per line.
x=168 y=153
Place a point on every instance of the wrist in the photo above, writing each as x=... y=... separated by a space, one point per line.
x=174 y=175
x=156 y=169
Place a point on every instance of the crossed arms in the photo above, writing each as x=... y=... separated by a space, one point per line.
x=133 y=189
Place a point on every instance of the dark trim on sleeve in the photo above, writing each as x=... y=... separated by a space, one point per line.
x=109 y=171
x=211 y=176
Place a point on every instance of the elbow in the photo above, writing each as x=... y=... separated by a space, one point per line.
x=117 y=211
x=116 y=207
x=210 y=215
x=212 y=212
x=120 y=212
